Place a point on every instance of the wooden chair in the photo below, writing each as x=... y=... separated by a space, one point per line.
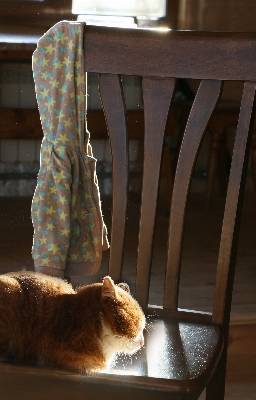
x=186 y=350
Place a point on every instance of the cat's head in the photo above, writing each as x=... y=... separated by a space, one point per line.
x=123 y=318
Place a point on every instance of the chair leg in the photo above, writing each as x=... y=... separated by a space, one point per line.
x=216 y=387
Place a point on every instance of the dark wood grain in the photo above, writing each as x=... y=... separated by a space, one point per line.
x=213 y=58
x=232 y=215
x=202 y=109
x=21 y=123
x=22 y=16
x=18 y=123
x=183 y=54
x=226 y=116
x=113 y=105
x=16 y=52
x=253 y=155
x=157 y=95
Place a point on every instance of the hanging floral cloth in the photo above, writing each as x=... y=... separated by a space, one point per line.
x=69 y=233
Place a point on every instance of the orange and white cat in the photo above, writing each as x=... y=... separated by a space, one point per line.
x=44 y=320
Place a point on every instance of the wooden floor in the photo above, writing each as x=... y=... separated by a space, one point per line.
x=198 y=265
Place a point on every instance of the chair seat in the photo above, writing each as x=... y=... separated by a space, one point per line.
x=178 y=357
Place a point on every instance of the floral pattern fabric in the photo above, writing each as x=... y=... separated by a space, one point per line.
x=69 y=233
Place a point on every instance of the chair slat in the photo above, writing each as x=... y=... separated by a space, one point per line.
x=157 y=95
x=203 y=106
x=113 y=104
x=233 y=208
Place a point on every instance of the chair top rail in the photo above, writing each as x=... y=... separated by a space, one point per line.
x=176 y=54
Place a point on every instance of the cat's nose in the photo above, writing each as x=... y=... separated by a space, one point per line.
x=141 y=342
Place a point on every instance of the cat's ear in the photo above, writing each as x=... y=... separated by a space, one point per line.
x=124 y=286
x=108 y=287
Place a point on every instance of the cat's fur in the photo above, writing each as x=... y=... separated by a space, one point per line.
x=43 y=319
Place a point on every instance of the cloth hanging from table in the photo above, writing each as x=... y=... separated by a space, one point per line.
x=69 y=233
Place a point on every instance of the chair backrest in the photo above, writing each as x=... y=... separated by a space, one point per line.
x=160 y=58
